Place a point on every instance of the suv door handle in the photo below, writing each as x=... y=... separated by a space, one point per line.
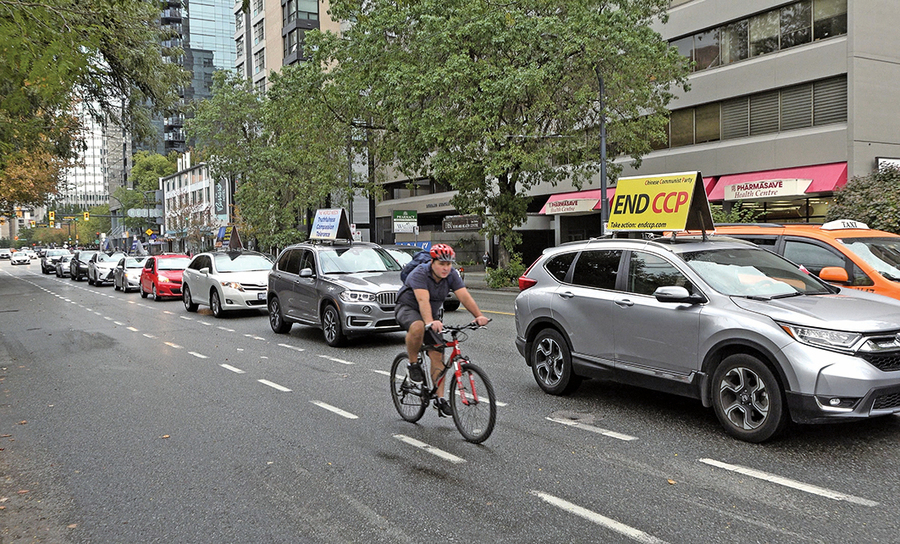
x=624 y=302
x=567 y=294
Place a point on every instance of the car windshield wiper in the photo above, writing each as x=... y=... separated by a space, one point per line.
x=788 y=295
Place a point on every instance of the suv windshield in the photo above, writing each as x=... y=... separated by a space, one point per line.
x=241 y=263
x=882 y=254
x=104 y=258
x=173 y=263
x=350 y=260
x=57 y=252
x=752 y=273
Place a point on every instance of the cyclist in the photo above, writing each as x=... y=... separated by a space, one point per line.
x=419 y=304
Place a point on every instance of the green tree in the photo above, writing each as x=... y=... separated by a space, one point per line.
x=106 y=54
x=148 y=167
x=737 y=214
x=873 y=200
x=494 y=99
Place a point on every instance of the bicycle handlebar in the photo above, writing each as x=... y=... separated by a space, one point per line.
x=456 y=328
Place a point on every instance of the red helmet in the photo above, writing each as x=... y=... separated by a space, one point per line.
x=443 y=252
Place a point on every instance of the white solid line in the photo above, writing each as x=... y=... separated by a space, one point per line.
x=787 y=482
x=231 y=368
x=336 y=360
x=598 y=430
x=275 y=385
x=170 y=344
x=198 y=355
x=621 y=528
x=334 y=409
x=132 y=329
x=295 y=348
x=430 y=449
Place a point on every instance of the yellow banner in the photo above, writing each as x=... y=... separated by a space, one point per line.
x=661 y=202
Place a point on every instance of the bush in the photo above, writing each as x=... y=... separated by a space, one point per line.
x=507 y=276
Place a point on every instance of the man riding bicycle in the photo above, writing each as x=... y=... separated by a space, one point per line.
x=419 y=304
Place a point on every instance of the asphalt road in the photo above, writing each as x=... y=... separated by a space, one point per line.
x=123 y=419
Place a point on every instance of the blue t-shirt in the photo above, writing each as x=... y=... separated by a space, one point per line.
x=421 y=278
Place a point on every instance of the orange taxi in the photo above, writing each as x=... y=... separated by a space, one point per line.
x=843 y=252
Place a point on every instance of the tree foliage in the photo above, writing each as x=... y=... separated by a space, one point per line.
x=106 y=54
x=873 y=200
x=495 y=98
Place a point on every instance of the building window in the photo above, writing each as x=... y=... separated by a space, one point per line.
x=764 y=33
x=259 y=61
x=258 y=32
x=300 y=9
x=829 y=18
x=261 y=86
x=682 y=123
x=293 y=42
x=257 y=7
x=239 y=21
x=239 y=47
x=796 y=24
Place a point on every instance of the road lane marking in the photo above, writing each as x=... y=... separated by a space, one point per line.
x=107 y=318
x=787 y=482
x=168 y=312
x=295 y=348
x=599 y=519
x=591 y=428
x=274 y=385
x=205 y=323
x=186 y=317
x=253 y=336
x=231 y=368
x=132 y=329
x=336 y=360
x=385 y=372
x=225 y=329
x=117 y=323
x=170 y=344
x=430 y=449
x=198 y=355
x=471 y=397
x=149 y=335
x=334 y=409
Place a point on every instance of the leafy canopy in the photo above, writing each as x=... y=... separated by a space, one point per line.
x=873 y=200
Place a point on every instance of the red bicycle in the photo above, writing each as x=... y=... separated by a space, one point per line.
x=471 y=394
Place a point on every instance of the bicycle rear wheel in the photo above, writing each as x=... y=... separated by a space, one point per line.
x=473 y=403
x=409 y=398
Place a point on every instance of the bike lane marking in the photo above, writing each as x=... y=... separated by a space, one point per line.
x=599 y=519
x=591 y=428
x=336 y=360
x=430 y=449
x=274 y=385
x=334 y=409
x=787 y=482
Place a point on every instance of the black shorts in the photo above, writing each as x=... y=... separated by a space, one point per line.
x=407 y=315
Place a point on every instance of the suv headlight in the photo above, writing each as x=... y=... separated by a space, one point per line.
x=357 y=296
x=823 y=338
x=233 y=285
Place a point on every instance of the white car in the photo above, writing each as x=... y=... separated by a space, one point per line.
x=20 y=257
x=235 y=280
x=101 y=268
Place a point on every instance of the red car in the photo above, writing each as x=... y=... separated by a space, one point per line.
x=161 y=275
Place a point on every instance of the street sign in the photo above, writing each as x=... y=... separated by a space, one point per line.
x=148 y=232
x=405 y=220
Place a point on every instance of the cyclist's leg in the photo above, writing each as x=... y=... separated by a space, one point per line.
x=437 y=367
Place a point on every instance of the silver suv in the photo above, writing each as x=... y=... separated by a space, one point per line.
x=344 y=288
x=742 y=329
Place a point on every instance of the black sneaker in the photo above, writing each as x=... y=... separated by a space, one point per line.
x=415 y=372
x=443 y=407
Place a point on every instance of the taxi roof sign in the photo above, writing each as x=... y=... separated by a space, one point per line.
x=667 y=202
x=331 y=224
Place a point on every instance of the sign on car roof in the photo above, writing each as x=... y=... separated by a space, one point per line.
x=668 y=202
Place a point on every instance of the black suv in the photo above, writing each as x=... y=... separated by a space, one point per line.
x=344 y=288
x=51 y=256
x=78 y=266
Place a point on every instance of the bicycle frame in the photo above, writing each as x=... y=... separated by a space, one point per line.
x=455 y=362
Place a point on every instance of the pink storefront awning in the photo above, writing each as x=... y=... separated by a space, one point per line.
x=578 y=202
x=783 y=183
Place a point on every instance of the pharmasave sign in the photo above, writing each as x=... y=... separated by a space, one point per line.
x=571 y=205
x=766 y=189
x=668 y=202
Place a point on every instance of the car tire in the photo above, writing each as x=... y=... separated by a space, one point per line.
x=143 y=293
x=215 y=304
x=451 y=305
x=156 y=294
x=331 y=326
x=551 y=363
x=276 y=318
x=186 y=299
x=748 y=399
x=115 y=285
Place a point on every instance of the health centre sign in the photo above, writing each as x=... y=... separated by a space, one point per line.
x=668 y=202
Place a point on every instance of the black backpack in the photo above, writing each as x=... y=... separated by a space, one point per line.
x=419 y=258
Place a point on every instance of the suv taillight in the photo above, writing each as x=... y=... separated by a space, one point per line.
x=526 y=282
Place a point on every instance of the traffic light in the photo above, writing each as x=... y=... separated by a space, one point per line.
x=87 y=216
x=32 y=223
x=51 y=216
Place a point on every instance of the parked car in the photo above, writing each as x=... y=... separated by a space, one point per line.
x=62 y=266
x=404 y=253
x=343 y=288
x=721 y=320
x=101 y=267
x=161 y=275
x=843 y=252
x=20 y=257
x=127 y=274
x=226 y=281
x=5 y=253
x=50 y=258
x=78 y=265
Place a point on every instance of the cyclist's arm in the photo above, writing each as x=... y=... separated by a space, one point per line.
x=424 y=300
x=469 y=303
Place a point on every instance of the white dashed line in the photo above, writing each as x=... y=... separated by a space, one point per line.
x=205 y=323
x=334 y=409
x=225 y=329
x=591 y=428
x=168 y=312
x=336 y=360
x=274 y=385
x=172 y=345
x=198 y=355
x=430 y=449
x=385 y=372
x=117 y=323
x=149 y=335
x=132 y=329
x=107 y=318
x=231 y=368
x=621 y=528
x=186 y=317
x=295 y=348
x=794 y=484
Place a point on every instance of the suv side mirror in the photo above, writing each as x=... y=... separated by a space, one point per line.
x=674 y=293
x=306 y=273
x=834 y=274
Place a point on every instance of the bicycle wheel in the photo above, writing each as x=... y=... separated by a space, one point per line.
x=474 y=404
x=408 y=396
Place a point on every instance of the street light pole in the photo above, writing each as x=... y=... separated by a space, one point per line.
x=604 y=201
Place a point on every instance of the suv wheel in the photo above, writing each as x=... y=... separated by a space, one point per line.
x=748 y=399
x=551 y=363
x=189 y=304
x=276 y=319
x=215 y=304
x=331 y=326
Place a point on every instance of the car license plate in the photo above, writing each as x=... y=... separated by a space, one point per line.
x=260 y=296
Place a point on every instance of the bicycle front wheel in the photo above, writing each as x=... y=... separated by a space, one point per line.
x=409 y=397
x=473 y=403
